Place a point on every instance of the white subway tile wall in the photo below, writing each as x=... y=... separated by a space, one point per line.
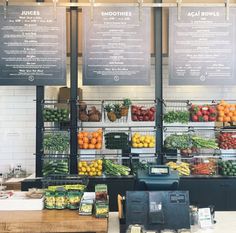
x=17 y=127
x=17 y=110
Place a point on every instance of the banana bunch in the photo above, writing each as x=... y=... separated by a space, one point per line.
x=182 y=168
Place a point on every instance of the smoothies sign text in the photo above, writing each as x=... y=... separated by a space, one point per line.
x=116 y=46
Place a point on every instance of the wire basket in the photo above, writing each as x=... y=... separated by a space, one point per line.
x=54 y=112
x=60 y=180
x=176 y=112
x=143 y=111
x=55 y=165
x=118 y=140
x=204 y=166
x=56 y=142
x=90 y=139
x=115 y=111
x=143 y=139
x=90 y=111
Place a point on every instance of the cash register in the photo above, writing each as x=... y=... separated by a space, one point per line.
x=157 y=178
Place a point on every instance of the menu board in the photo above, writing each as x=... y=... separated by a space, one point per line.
x=33 y=46
x=116 y=46
x=202 y=47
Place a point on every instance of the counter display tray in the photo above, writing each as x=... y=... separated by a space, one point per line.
x=19 y=201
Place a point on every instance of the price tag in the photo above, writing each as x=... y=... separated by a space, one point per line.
x=204 y=217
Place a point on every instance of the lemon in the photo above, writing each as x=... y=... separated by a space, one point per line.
x=91 y=173
x=99 y=162
x=95 y=165
x=151 y=145
x=88 y=169
x=135 y=145
x=99 y=173
x=147 y=140
x=83 y=169
x=99 y=167
x=80 y=164
x=140 y=145
x=145 y=145
x=142 y=139
x=93 y=169
x=137 y=135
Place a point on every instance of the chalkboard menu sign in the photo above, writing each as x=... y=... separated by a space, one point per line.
x=116 y=46
x=33 y=46
x=202 y=47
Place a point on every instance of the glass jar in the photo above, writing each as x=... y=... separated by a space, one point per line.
x=60 y=200
x=49 y=200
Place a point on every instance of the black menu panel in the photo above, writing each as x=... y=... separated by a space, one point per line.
x=33 y=46
x=116 y=46
x=202 y=47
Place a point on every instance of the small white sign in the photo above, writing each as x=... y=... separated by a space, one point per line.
x=204 y=217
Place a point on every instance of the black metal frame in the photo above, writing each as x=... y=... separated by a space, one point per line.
x=74 y=87
x=39 y=126
x=158 y=79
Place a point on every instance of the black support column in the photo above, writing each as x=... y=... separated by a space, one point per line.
x=39 y=129
x=74 y=87
x=158 y=78
x=39 y=126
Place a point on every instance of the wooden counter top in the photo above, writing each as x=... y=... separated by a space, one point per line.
x=48 y=221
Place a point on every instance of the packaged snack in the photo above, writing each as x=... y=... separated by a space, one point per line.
x=73 y=199
x=86 y=207
x=101 y=209
x=101 y=192
x=60 y=200
x=49 y=200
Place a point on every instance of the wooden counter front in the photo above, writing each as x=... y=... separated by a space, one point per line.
x=50 y=221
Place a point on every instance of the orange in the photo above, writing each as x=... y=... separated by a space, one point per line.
x=85 y=134
x=99 y=138
x=81 y=135
x=99 y=131
x=230 y=114
x=232 y=107
x=226 y=110
x=221 y=113
x=98 y=146
x=220 y=108
x=85 y=146
x=234 y=113
x=91 y=146
x=85 y=139
x=220 y=119
x=95 y=134
x=233 y=118
x=93 y=141
x=80 y=142
x=227 y=119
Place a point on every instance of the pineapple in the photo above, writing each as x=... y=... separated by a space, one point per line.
x=117 y=110
x=110 y=113
x=125 y=107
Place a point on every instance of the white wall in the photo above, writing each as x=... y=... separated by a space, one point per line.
x=17 y=127
x=17 y=111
